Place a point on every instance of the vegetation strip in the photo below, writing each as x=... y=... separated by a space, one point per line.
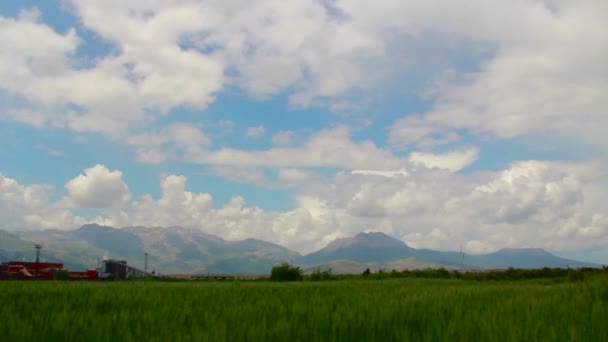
x=409 y=309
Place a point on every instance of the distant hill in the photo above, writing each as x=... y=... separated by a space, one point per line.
x=363 y=247
x=528 y=258
x=170 y=250
x=180 y=250
x=379 y=250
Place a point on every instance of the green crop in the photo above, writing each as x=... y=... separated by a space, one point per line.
x=348 y=310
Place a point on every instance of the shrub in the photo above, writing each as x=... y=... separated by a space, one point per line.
x=61 y=275
x=318 y=275
x=285 y=272
x=576 y=276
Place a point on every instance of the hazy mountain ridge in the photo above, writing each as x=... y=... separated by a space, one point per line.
x=363 y=247
x=170 y=250
x=180 y=250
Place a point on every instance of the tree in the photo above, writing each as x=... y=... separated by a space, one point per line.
x=319 y=274
x=285 y=272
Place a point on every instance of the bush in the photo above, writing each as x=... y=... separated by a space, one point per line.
x=61 y=275
x=285 y=272
x=318 y=275
x=576 y=276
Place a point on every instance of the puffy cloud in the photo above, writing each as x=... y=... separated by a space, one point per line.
x=179 y=140
x=326 y=148
x=255 y=132
x=253 y=175
x=293 y=177
x=45 y=87
x=541 y=76
x=546 y=74
x=26 y=207
x=175 y=207
x=283 y=138
x=98 y=188
x=531 y=203
x=453 y=161
x=149 y=38
x=182 y=53
x=528 y=192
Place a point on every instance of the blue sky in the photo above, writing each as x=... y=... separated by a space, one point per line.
x=299 y=122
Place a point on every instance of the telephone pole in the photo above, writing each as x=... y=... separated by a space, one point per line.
x=38 y=247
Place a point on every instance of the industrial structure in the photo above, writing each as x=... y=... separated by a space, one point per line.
x=118 y=269
x=106 y=269
x=27 y=270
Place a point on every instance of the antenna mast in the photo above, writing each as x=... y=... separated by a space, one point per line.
x=38 y=247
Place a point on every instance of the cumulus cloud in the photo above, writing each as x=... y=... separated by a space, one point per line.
x=546 y=75
x=283 y=138
x=528 y=192
x=28 y=207
x=255 y=132
x=453 y=161
x=531 y=203
x=327 y=148
x=175 y=54
x=542 y=76
x=178 y=140
x=182 y=53
x=98 y=188
x=39 y=65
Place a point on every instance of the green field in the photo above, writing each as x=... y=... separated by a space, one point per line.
x=344 y=310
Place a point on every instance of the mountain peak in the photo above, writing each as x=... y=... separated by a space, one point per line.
x=378 y=238
x=363 y=246
x=366 y=240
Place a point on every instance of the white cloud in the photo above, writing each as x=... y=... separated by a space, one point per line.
x=255 y=132
x=253 y=175
x=182 y=53
x=541 y=75
x=528 y=192
x=189 y=138
x=179 y=140
x=327 y=148
x=453 y=161
x=389 y=173
x=546 y=76
x=175 y=207
x=27 y=207
x=292 y=176
x=533 y=203
x=98 y=188
x=283 y=138
x=150 y=156
x=38 y=69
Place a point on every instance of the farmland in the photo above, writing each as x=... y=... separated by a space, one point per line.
x=343 y=310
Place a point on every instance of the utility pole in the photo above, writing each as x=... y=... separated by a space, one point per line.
x=146 y=264
x=38 y=247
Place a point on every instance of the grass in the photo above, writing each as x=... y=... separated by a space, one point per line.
x=350 y=310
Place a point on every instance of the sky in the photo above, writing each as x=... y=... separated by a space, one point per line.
x=443 y=123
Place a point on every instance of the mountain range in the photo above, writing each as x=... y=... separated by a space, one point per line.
x=180 y=250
